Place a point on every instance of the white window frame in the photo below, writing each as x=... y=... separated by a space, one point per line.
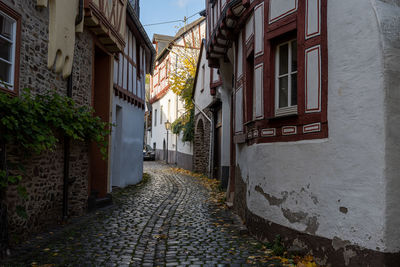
x=290 y=109
x=11 y=84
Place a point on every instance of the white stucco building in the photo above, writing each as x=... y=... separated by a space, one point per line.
x=212 y=129
x=128 y=103
x=166 y=105
x=313 y=87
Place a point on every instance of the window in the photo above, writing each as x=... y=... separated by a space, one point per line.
x=8 y=46
x=155 y=118
x=250 y=92
x=286 y=78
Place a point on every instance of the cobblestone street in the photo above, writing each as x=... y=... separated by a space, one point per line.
x=164 y=222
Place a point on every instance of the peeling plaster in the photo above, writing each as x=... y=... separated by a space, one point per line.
x=338 y=243
x=311 y=223
x=344 y=210
x=348 y=254
x=273 y=201
x=294 y=217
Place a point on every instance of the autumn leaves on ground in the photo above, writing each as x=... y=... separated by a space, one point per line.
x=274 y=250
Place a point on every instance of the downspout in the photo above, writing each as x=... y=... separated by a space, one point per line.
x=4 y=238
x=177 y=115
x=67 y=149
x=211 y=139
x=176 y=135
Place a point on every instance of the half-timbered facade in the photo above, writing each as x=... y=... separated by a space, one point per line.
x=128 y=108
x=166 y=105
x=311 y=87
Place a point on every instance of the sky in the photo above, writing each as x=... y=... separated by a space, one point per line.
x=156 y=11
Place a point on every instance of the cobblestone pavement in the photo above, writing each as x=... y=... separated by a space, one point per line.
x=165 y=222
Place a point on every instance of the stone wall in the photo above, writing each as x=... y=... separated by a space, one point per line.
x=43 y=176
x=202 y=135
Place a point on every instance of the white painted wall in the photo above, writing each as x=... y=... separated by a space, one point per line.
x=388 y=13
x=159 y=133
x=127 y=143
x=352 y=167
x=203 y=99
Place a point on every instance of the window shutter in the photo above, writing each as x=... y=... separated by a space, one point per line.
x=312 y=54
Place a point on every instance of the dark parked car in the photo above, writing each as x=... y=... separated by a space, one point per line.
x=149 y=153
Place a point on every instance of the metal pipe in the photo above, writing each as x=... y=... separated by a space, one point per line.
x=79 y=18
x=211 y=137
x=67 y=149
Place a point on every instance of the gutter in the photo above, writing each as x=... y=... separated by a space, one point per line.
x=210 y=168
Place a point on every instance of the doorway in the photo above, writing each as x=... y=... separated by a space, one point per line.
x=101 y=101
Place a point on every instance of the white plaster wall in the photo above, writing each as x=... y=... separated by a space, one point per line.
x=388 y=14
x=203 y=99
x=160 y=133
x=314 y=179
x=127 y=145
x=225 y=92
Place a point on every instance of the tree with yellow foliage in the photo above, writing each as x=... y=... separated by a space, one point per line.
x=181 y=83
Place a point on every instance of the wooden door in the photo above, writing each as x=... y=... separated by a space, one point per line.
x=99 y=178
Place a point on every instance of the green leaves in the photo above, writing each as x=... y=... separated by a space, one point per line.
x=32 y=122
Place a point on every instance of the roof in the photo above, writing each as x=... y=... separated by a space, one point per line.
x=179 y=34
x=188 y=27
x=162 y=37
x=142 y=32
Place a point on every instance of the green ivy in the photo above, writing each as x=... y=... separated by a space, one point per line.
x=33 y=123
x=185 y=124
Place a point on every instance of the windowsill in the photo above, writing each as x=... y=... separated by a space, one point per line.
x=8 y=90
x=281 y=112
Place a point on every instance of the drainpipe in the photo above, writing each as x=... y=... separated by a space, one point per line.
x=176 y=135
x=176 y=113
x=210 y=154
x=67 y=149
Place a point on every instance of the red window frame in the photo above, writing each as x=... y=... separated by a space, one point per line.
x=17 y=17
x=292 y=127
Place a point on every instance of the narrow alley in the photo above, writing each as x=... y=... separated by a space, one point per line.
x=165 y=221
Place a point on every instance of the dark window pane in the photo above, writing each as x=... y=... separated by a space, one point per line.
x=294 y=89
x=283 y=59
x=294 y=56
x=283 y=92
x=6 y=27
x=5 y=72
x=5 y=50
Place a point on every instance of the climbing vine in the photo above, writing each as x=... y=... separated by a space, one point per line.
x=33 y=122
